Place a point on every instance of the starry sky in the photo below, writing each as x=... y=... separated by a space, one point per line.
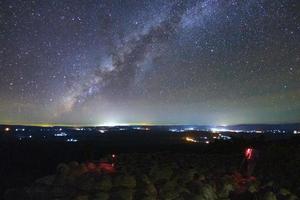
x=149 y=62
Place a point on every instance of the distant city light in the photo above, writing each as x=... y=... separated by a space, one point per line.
x=189 y=129
x=7 y=129
x=113 y=124
x=141 y=128
x=225 y=137
x=175 y=130
x=102 y=131
x=62 y=134
x=217 y=130
x=72 y=140
x=189 y=139
x=23 y=129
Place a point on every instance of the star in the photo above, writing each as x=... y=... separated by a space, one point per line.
x=150 y=61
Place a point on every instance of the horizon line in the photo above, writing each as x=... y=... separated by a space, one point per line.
x=136 y=124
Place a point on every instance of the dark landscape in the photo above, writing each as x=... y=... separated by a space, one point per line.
x=146 y=157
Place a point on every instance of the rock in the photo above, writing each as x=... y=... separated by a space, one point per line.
x=39 y=192
x=62 y=191
x=16 y=194
x=47 y=180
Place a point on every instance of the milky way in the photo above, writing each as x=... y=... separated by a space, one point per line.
x=158 y=62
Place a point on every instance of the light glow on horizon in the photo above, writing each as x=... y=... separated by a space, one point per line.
x=189 y=139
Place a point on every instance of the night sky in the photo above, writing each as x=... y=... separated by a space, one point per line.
x=149 y=62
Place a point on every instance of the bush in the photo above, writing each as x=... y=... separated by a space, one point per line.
x=208 y=192
x=85 y=182
x=101 y=196
x=269 y=196
x=160 y=173
x=125 y=181
x=63 y=169
x=124 y=194
x=148 y=198
x=82 y=197
x=103 y=184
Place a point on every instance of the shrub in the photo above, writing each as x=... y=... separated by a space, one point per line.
x=125 y=181
x=208 y=192
x=269 y=196
x=63 y=169
x=101 y=196
x=124 y=194
x=103 y=184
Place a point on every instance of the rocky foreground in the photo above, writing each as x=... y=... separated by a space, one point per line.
x=161 y=176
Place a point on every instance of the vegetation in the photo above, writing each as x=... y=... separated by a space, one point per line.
x=153 y=176
x=162 y=172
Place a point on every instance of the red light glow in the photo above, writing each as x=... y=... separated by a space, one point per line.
x=248 y=153
x=107 y=167
x=91 y=166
